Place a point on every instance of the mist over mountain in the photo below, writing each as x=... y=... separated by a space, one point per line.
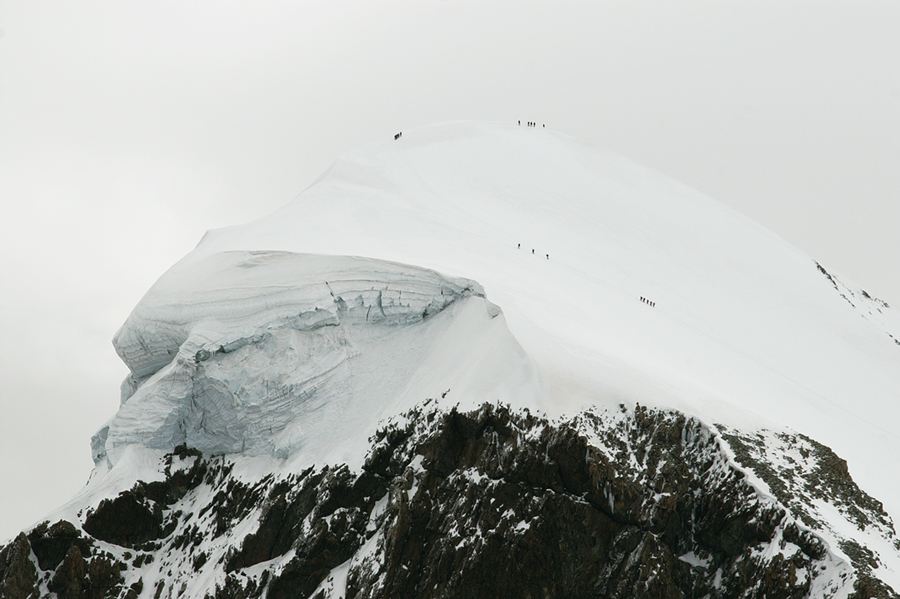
x=486 y=359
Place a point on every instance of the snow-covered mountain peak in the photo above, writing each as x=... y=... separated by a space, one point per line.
x=620 y=284
x=479 y=349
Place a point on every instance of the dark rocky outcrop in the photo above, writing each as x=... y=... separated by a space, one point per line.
x=51 y=543
x=71 y=578
x=18 y=576
x=83 y=572
x=136 y=516
x=128 y=520
x=822 y=475
x=499 y=512
x=497 y=504
x=490 y=503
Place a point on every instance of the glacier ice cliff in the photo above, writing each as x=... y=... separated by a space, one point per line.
x=240 y=352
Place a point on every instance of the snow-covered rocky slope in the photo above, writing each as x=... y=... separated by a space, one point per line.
x=486 y=348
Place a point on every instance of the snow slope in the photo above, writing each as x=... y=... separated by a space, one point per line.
x=745 y=330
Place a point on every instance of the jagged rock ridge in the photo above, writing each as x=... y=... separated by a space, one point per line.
x=489 y=503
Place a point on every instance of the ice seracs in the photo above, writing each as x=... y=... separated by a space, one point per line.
x=270 y=352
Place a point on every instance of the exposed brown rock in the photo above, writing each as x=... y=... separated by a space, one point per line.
x=51 y=543
x=18 y=576
x=69 y=582
x=489 y=503
x=128 y=520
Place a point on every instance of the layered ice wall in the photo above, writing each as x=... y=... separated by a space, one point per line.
x=267 y=352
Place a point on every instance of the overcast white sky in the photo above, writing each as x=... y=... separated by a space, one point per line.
x=129 y=128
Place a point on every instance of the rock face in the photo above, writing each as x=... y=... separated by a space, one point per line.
x=19 y=576
x=488 y=503
x=58 y=560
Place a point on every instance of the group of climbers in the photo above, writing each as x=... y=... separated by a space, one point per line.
x=532 y=251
